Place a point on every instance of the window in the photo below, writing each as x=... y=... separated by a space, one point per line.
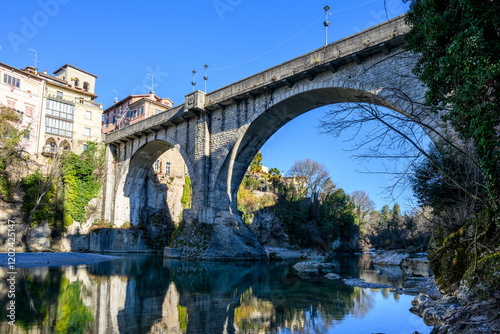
x=107 y=123
x=133 y=114
x=167 y=168
x=86 y=132
x=85 y=147
x=114 y=120
x=10 y=80
x=157 y=166
x=59 y=95
x=128 y=113
x=58 y=127
x=27 y=134
x=60 y=109
x=86 y=86
x=11 y=104
x=88 y=114
x=77 y=82
x=141 y=110
x=29 y=111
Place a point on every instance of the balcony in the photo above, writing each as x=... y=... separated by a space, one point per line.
x=50 y=151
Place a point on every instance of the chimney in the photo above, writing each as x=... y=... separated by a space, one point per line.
x=152 y=95
x=116 y=101
x=44 y=71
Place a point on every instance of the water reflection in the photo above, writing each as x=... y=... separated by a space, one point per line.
x=147 y=294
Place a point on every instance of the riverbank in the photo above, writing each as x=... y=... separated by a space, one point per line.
x=53 y=259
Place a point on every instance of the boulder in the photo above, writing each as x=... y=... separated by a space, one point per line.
x=360 y=283
x=306 y=269
x=416 y=267
x=332 y=276
x=275 y=256
x=391 y=257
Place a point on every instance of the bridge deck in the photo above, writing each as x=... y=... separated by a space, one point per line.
x=380 y=38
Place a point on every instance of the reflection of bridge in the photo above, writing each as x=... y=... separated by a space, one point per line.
x=219 y=133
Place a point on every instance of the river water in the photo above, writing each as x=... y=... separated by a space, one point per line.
x=148 y=294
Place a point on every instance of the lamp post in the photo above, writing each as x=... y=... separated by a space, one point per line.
x=193 y=82
x=205 y=77
x=326 y=24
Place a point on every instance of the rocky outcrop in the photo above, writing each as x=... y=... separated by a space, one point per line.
x=360 y=283
x=416 y=267
x=269 y=229
x=226 y=239
x=306 y=269
x=390 y=257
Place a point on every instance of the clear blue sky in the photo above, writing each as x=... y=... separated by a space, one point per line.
x=122 y=41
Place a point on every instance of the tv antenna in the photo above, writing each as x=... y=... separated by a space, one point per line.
x=150 y=76
x=35 y=56
x=116 y=95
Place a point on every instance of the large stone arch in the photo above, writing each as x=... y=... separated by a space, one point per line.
x=136 y=160
x=278 y=108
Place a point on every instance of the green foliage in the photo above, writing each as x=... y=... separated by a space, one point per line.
x=82 y=180
x=183 y=318
x=72 y=315
x=250 y=183
x=256 y=165
x=248 y=203
x=186 y=193
x=32 y=186
x=10 y=154
x=337 y=216
x=460 y=64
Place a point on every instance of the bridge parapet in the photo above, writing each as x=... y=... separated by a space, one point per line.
x=380 y=38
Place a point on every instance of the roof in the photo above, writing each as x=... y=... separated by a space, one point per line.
x=76 y=68
x=143 y=96
x=64 y=84
x=31 y=75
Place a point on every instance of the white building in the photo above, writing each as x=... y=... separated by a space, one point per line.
x=22 y=90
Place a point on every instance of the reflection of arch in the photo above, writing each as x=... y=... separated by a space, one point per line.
x=278 y=111
x=86 y=86
x=130 y=200
x=51 y=142
x=65 y=145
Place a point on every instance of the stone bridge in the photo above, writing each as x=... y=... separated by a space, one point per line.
x=219 y=133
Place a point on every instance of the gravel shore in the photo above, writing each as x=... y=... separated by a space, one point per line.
x=54 y=259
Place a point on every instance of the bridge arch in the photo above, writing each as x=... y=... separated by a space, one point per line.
x=282 y=107
x=135 y=202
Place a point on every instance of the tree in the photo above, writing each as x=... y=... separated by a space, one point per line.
x=256 y=165
x=459 y=47
x=363 y=205
x=315 y=175
x=396 y=210
x=274 y=177
x=10 y=154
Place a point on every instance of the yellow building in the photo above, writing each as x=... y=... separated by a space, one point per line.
x=70 y=115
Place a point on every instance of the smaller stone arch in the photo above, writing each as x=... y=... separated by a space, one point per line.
x=141 y=193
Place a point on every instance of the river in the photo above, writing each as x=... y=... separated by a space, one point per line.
x=148 y=294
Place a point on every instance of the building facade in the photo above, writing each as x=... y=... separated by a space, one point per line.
x=70 y=115
x=22 y=91
x=58 y=110
x=133 y=109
